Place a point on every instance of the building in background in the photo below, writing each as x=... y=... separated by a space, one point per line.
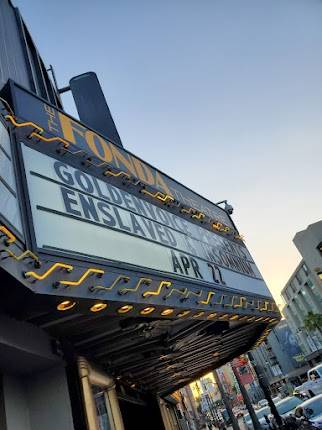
x=248 y=378
x=189 y=408
x=303 y=291
x=280 y=359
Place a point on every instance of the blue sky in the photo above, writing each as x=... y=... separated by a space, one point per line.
x=223 y=95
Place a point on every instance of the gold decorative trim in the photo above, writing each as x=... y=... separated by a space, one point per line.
x=123 y=278
x=88 y=272
x=49 y=271
x=141 y=281
x=157 y=292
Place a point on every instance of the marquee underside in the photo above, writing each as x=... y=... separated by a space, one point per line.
x=143 y=354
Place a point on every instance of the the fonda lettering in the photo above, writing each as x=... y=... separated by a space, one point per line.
x=76 y=133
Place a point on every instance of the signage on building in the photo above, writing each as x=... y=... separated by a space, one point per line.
x=28 y=107
x=289 y=343
x=82 y=215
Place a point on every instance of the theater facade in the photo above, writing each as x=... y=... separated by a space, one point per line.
x=119 y=285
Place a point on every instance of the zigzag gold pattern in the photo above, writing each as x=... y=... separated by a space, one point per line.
x=141 y=281
x=50 y=139
x=114 y=283
x=109 y=172
x=82 y=278
x=23 y=124
x=182 y=292
x=157 y=292
x=199 y=216
x=193 y=293
x=165 y=198
x=207 y=301
x=11 y=237
x=50 y=270
x=25 y=254
x=242 y=301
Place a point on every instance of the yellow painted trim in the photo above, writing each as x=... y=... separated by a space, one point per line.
x=23 y=124
x=114 y=283
x=141 y=281
x=209 y=296
x=192 y=293
x=50 y=139
x=109 y=172
x=199 y=216
x=183 y=292
x=157 y=292
x=35 y=275
x=165 y=198
x=188 y=211
x=22 y=256
x=11 y=237
x=82 y=278
x=242 y=301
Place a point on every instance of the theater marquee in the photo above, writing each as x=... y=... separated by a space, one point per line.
x=82 y=215
x=56 y=123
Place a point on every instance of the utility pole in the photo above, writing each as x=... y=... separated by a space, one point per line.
x=213 y=406
x=247 y=401
x=226 y=401
x=210 y=408
x=264 y=386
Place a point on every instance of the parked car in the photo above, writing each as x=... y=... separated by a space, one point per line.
x=284 y=408
x=262 y=403
x=276 y=399
x=238 y=412
x=313 y=385
x=260 y=413
x=312 y=409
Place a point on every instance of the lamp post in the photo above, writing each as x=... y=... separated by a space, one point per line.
x=224 y=397
x=264 y=386
x=214 y=409
x=247 y=401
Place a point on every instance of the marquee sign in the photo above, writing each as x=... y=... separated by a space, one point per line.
x=28 y=107
x=82 y=215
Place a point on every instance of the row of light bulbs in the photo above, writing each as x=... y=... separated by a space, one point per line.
x=100 y=306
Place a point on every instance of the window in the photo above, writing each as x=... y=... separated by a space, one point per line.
x=305 y=269
x=101 y=403
x=313 y=375
x=299 y=303
x=319 y=248
x=292 y=286
x=299 y=278
x=286 y=295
